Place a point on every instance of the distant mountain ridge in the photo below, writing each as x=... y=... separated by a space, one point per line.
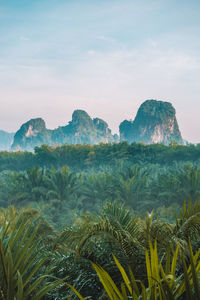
x=6 y=139
x=82 y=129
x=155 y=122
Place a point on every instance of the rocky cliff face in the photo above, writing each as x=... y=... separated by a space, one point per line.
x=6 y=139
x=155 y=122
x=32 y=133
x=82 y=129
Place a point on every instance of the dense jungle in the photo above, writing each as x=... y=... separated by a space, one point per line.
x=108 y=221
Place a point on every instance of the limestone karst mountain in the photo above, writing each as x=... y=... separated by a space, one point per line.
x=155 y=122
x=32 y=133
x=82 y=129
x=6 y=139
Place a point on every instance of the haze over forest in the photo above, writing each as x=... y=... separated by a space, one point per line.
x=105 y=57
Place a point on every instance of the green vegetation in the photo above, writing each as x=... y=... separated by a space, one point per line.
x=20 y=261
x=162 y=284
x=113 y=221
x=84 y=157
x=154 y=258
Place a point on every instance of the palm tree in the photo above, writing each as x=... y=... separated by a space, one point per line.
x=176 y=184
x=96 y=189
x=95 y=238
x=61 y=185
x=23 y=261
x=28 y=186
x=131 y=186
x=118 y=231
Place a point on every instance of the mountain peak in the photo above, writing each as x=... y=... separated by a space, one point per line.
x=80 y=114
x=81 y=129
x=32 y=133
x=155 y=122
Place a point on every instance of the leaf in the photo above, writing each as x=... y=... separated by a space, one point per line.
x=124 y=275
x=75 y=291
x=3 y=263
x=108 y=283
x=194 y=273
x=19 y=286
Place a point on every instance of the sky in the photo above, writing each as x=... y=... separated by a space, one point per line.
x=104 y=56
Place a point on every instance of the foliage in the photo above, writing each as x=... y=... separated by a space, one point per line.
x=20 y=261
x=95 y=237
x=76 y=156
x=35 y=260
x=162 y=283
x=92 y=202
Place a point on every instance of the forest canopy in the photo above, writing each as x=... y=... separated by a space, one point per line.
x=79 y=157
x=78 y=207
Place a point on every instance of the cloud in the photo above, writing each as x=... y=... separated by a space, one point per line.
x=24 y=38
x=105 y=38
x=91 y=52
x=152 y=43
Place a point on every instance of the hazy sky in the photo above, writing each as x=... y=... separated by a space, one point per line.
x=103 y=56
